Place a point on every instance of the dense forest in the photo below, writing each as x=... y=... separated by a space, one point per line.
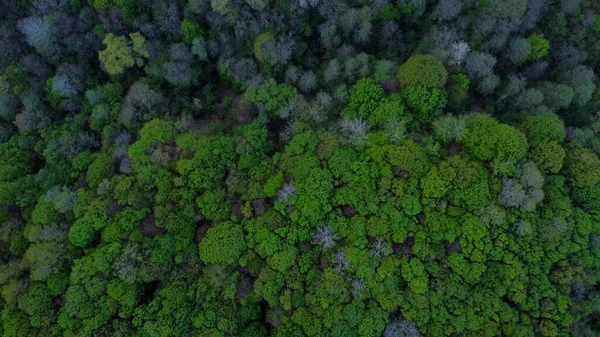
x=291 y=168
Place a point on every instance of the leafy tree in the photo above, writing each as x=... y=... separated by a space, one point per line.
x=122 y=53
x=540 y=128
x=225 y=234
x=365 y=98
x=548 y=156
x=401 y=328
x=539 y=47
x=271 y=96
x=582 y=165
x=422 y=70
x=425 y=103
x=101 y=167
x=190 y=31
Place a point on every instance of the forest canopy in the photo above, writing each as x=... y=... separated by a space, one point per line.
x=346 y=168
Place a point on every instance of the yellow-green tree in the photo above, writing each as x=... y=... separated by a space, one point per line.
x=122 y=53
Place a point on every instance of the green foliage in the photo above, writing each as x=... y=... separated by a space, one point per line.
x=122 y=53
x=548 y=156
x=481 y=138
x=596 y=24
x=539 y=47
x=271 y=95
x=259 y=43
x=582 y=165
x=81 y=233
x=157 y=130
x=365 y=97
x=225 y=234
x=190 y=31
x=512 y=144
x=274 y=184
x=296 y=187
x=424 y=103
x=422 y=70
x=390 y=110
x=101 y=168
x=414 y=273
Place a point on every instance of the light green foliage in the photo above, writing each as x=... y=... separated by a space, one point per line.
x=313 y=199
x=512 y=144
x=259 y=42
x=481 y=138
x=365 y=97
x=127 y=294
x=390 y=110
x=225 y=234
x=157 y=130
x=214 y=206
x=540 y=128
x=271 y=95
x=548 y=156
x=101 y=168
x=274 y=184
x=331 y=289
x=190 y=31
x=539 y=47
x=81 y=233
x=414 y=273
x=369 y=205
x=436 y=183
x=122 y=53
x=596 y=24
x=368 y=102
x=582 y=165
x=424 y=103
x=410 y=159
x=422 y=70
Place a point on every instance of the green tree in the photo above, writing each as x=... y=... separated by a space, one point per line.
x=272 y=96
x=422 y=70
x=539 y=47
x=548 y=156
x=582 y=165
x=225 y=234
x=122 y=53
x=540 y=128
x=425 y=103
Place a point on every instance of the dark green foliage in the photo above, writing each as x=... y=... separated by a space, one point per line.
x=299 y=168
